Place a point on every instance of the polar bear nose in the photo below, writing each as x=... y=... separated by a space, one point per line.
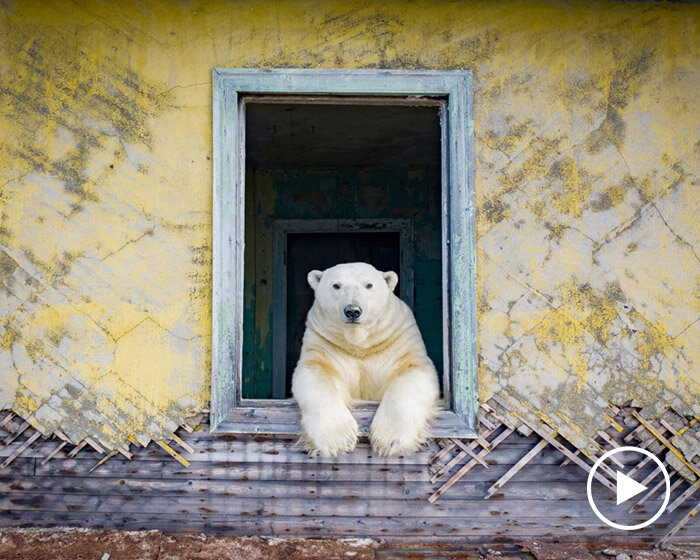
x=352 y=312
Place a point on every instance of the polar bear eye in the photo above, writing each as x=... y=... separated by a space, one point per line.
x=336 y=286
x=369 y=286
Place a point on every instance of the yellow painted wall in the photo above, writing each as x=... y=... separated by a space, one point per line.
x=587 y=152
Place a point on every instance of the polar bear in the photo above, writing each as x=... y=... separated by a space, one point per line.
x=362 y=342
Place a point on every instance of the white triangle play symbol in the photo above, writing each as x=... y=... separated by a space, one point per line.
x=627 y=488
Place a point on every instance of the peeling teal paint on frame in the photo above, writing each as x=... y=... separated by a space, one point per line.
x=462 y=249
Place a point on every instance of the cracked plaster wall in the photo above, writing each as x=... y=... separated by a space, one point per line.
x=587 y=146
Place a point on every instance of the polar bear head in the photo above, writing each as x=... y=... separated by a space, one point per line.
x=354 y=293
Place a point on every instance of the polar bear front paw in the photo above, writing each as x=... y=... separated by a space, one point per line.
x=391 y=438
x=329 y=435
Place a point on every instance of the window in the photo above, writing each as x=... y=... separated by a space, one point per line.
x=310 y=165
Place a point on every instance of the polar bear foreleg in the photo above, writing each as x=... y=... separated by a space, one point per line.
x=327 y=425
x=401 y=423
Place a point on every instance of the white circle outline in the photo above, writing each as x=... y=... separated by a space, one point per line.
x=604 y=519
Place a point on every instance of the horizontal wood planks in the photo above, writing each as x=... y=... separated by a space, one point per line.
x=244 y=485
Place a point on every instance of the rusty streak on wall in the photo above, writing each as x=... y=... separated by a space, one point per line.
x=587 y=148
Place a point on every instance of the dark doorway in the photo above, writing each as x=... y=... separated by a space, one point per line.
x=336 y=161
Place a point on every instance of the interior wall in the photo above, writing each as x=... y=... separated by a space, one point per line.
x=586 y=160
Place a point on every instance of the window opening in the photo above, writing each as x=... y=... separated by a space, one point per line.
x=352 y=155
x=329 y=184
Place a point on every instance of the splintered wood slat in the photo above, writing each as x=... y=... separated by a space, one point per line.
x=613 y=444
x=605 y=437
x=615 y=410
x=457 y=459
x=580 y=462
x=668 y=426
x=687 y=517
x=658 y=435
x=125 y=453
x=688 y=426
x=96 y=446
x=451 y=446
x=673 y=430
x=60 y=435
x=7 y=418
x=493 y=412
x=485 y=421
x=443 y=451
x=464 y=447
x=104 y=459
x=614 y=423
x=170 y=451
x=471 y=464
x=639 y=466
x=653 y=474
x=78 y=448
x=562 y=449
x=654 y=490
x=88 y=441
x=633 y=433
x=684 y=496
x=183 y=444
x=54 y=452
x=515 y=468
x=20 y=449
x=12 y=437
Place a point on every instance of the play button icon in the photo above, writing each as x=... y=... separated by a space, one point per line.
x=627 y=488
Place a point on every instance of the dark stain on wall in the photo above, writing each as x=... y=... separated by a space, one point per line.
x=59 y=94
x=622 y=84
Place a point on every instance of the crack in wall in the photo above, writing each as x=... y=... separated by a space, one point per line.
x=127 y=244
x=678 y=237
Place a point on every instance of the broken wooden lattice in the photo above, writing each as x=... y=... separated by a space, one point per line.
x=14 y=427
x=499 y=419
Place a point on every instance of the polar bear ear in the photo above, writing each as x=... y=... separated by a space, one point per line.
x=391 y=279
x=314 y=278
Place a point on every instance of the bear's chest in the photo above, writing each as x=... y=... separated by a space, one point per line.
x=372 y=376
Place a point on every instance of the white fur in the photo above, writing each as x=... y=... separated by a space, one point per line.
x=381 y=357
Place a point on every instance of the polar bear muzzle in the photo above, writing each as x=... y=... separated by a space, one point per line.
x=352 y=313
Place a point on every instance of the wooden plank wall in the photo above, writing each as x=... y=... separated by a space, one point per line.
x=260 y=486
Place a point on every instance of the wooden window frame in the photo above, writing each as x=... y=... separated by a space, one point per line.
x=230 y=413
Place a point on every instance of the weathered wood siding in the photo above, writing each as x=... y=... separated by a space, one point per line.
x=259 y=486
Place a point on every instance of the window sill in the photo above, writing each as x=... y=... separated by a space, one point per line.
x=281 y=417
